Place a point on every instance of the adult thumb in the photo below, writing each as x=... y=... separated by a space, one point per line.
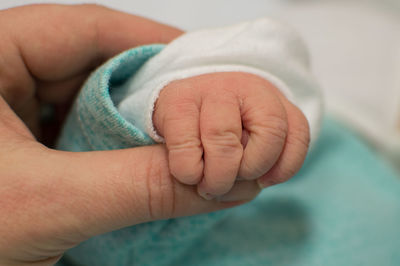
x=106 y=190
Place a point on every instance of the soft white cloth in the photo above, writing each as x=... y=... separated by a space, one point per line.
x=263 y=47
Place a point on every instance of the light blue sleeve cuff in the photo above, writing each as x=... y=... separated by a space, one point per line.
x=94 y=122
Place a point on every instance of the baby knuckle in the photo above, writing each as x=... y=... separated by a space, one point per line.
x=187 y=174
x=299 y=138
x=251 y=170
x=300 y=134
x=245 y=171
x=280 y=178
x=220 y=188
x=216 y=186
x=185 y=105
x=274 y=127
x=179 y=92
x=226 y=143
x=284 y=172
x=274 y=181
x=174 y=113
x=180 y=145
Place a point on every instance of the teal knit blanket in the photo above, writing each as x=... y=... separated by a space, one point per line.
x=343 y=208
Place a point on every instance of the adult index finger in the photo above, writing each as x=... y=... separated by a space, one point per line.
x=60 y=42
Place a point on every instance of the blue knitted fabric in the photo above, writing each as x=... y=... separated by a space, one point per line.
x=343 y=208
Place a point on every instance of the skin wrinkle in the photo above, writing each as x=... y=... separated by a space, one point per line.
x=167 y=193
x=49 y=205
x=273 y=126
x=210 y=131
x=193 y=143
x=26 y=199
x=149 y=190
x=266 y=131
x=295 y=137
x=160 y=193
x=81 y=208
x=120 y=193
x=227 y=142
x=134 y=183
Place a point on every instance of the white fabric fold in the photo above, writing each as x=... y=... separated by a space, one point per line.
x=263 y=47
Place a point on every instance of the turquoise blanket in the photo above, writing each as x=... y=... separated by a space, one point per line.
x=343 y=208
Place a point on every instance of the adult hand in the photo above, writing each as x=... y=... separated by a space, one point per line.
x=52 y=200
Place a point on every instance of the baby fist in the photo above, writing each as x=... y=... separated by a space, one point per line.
x=221 y=127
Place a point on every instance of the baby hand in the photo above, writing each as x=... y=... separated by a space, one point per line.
x=221 y=127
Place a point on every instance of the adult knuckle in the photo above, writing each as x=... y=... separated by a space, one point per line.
x=160 y=190
x=15 y=90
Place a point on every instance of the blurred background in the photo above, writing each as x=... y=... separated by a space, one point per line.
x=354 y=46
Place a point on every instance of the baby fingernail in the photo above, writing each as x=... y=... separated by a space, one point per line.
x=205 y=195
x=263 y=183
